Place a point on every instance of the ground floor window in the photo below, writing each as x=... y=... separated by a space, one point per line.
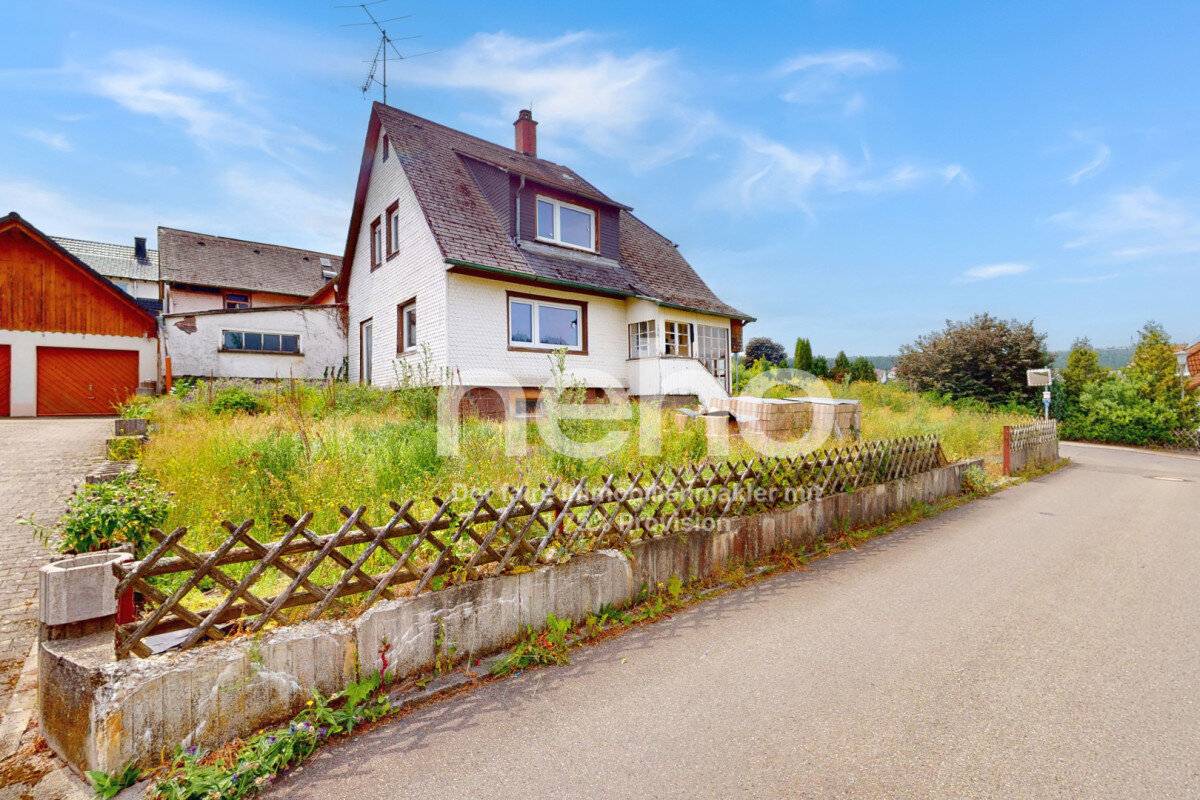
x=677 y=338
x=406 y=332
x=642 y=339
x=365 y=351
x=712 y=348
x=257 y=342
x=546 y=324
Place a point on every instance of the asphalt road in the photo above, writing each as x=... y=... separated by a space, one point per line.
x=1044 y=642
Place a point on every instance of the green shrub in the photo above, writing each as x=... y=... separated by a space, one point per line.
x=105 y=515
x=235 y=399
x=1118 y=410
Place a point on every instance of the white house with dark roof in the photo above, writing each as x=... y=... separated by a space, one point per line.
x=492 y=258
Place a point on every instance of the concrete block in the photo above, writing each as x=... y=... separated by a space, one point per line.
x=78 y=588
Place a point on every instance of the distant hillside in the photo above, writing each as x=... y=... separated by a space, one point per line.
x=1111 y=357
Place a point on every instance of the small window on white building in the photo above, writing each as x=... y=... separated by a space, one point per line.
x=393 y=229
x=677 y=339
x=546 y=324
x=376 y=243
x=236 y=300
x=366 y=350
x=406 y=330
x=563 y=223
x=642 y=339
x=259 y=342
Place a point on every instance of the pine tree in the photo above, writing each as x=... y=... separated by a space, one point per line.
x=841 y=366
x=803 y=357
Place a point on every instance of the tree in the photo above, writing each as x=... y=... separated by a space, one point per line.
x=841 y=366
x=983 y=357
x=803 y=357
x=1083 y=368
x=820 y=367
x=1155 y=371
x=766 y=350
x=861 y=369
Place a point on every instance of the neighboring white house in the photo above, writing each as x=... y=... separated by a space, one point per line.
x=297 y=341
x=492 y=258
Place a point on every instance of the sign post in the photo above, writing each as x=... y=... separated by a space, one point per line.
x=1041 y=377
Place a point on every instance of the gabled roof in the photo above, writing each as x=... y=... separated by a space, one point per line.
x=15 y=220
x=200 y=259
x=112 y=260
x=471 y=235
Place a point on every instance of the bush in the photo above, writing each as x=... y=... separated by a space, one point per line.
x=105 y=515
x=234 y=400
x=1118 y=410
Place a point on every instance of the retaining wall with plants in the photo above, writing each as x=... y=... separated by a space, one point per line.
x=99 y=713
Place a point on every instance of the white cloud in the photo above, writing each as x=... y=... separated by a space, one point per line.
x=1093 y=167
x=278 y=208
x=770 y=174
x=55 y=141
x=1134 y=224
x=212 y=107
x=824 y=77
x=989 y=271
x=58 y=214
x=582 y=90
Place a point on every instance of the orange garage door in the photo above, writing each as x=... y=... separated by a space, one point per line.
x=5 y=378
x=74 y=380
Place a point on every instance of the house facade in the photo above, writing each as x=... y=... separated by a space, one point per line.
x=241 y=309
x=489 y=259
x=71 y=342
x=132 y=269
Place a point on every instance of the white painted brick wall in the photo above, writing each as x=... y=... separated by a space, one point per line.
x=417 y=270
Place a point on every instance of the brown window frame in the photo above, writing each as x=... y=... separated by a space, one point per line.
x=509 y=296
x=393 y=211
x=249 y=303
x=402 y=344
x=376 y=256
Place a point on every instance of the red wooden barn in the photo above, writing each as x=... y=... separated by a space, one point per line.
x=71 y=343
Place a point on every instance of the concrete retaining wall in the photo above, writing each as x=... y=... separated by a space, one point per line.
x=101 y=714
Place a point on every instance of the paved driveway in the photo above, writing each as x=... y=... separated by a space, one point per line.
x=41 y=461
x=1042 y=642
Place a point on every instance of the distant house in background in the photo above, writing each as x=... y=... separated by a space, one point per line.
x=132 y=269
x=71 y=342
x=241 y=309
x=1189 y=364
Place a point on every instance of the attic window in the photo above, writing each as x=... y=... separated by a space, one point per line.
x=385 y=148
x=566 y=224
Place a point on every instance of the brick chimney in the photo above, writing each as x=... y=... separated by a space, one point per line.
x=526 y=133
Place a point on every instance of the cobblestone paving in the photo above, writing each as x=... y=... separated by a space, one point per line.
x=41 y=461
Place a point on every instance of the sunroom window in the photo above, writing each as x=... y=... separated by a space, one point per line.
x=563 y=223
x=545 y=324
x=641 y=339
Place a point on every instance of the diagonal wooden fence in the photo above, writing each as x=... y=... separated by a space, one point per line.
x=307 y=572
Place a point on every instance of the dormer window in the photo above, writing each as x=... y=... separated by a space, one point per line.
x=565 y=224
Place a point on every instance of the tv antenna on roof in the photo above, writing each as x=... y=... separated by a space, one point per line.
x=386 y=43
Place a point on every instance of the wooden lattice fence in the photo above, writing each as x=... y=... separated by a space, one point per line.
x=1186 y=440
x=308 y=572
x=1029 y=444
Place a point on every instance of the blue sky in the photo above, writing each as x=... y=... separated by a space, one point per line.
x=852 y=172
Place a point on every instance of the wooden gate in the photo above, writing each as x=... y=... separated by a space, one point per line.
x=79 y=381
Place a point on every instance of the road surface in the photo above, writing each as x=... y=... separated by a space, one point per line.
x=1043 y=642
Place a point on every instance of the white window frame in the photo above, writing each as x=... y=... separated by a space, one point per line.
x=366 y=351
x=407 y=346
x=643 y=339
x=578 y=308
x=377 y=242
x=243 y=332
x=393 y=231
x=555 y=238
x=674 y=332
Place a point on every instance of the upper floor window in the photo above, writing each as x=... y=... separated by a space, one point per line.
x=563 y=223
x=546 y=324
x=641 y=339
x=393 y=229
x=237 y=299
x=252 y=342
x=385 y=148
x=677 y=338
x=376 y=244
